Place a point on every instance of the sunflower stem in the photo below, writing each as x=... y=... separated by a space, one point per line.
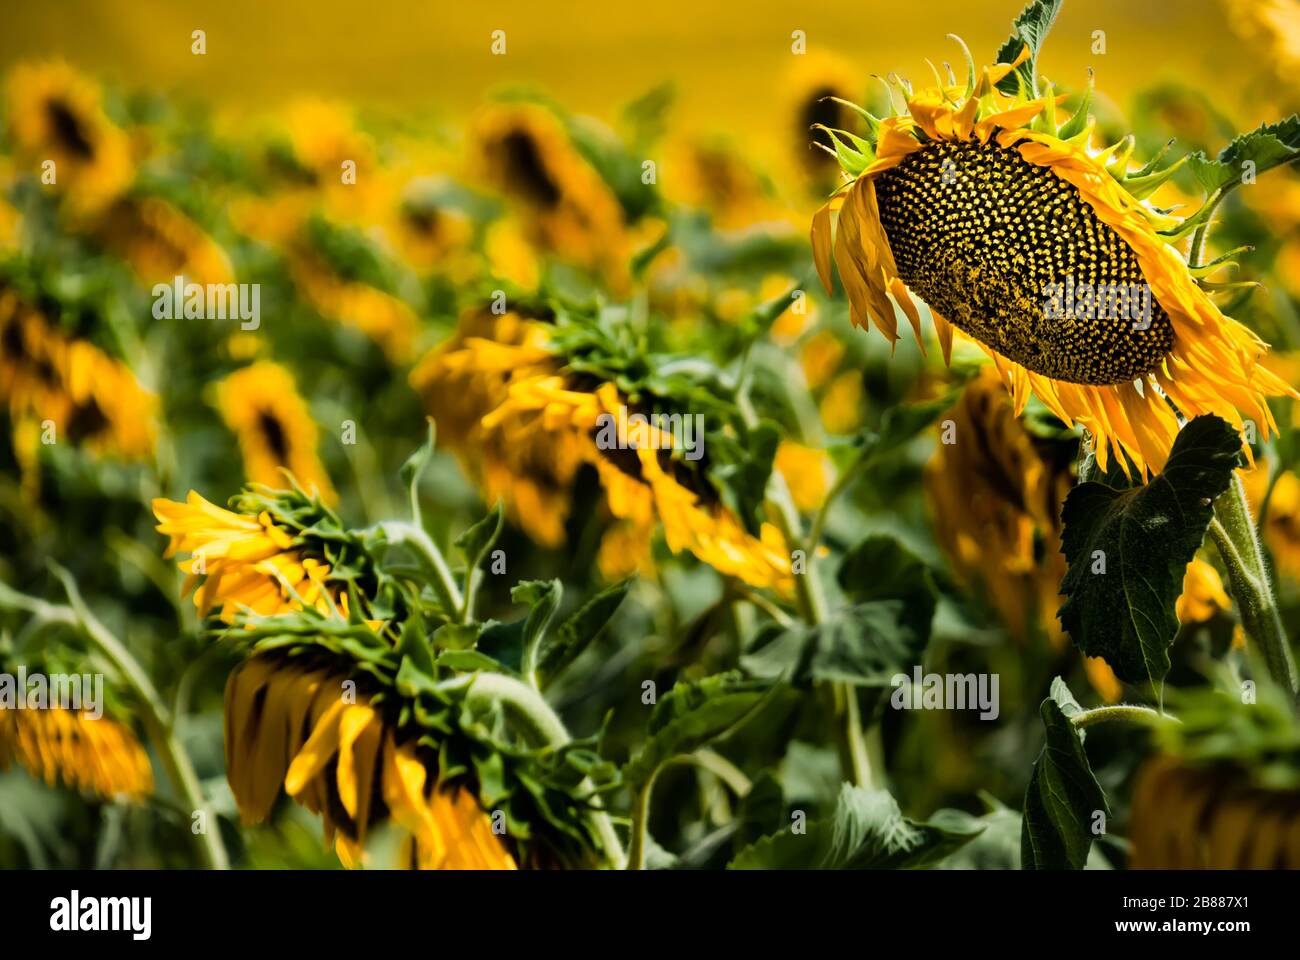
x=154 y=716
x=1122 y=712
x=548 y=730
x=1233 y=532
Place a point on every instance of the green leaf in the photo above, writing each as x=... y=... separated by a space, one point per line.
x=415 y=464
x=1031 y=27
x=866 y=643
x=561 y=646
x=900 y=425
x=1267 y=146
x=693 y=714
x=1143 y=538
x=476 y=541
x=867 y=831
x=544 y=597
x=1063 y=795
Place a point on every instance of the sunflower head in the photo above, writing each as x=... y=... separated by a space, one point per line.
x=55 y=114
x=276 y=432
x=986 y=201
x=94 y=754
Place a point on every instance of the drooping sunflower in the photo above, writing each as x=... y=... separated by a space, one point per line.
x=56 y=114
x=525 y=428
x=244 y=561
x=159 y=242
x=1202 y=817
x=387 y=320
x=90 y=398
x=525 y=153
x=93 y=754
x=288 y=726
x=262 y=406
x=979 y=203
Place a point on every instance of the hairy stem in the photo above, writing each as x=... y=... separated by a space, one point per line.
x=1234 y=534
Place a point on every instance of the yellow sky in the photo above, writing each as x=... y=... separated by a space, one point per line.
x=729 y=59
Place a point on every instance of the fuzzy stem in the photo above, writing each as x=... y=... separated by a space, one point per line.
x=1234 y=534
x=1124 y=712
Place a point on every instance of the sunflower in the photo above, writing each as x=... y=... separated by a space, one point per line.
x=261 y=405
x=1203 y=595
x=995 y=496
x=817 y=88
x=980 y=204
x=525 y=153
x=93 y=754
x=806 y=471
x=525 y=429
x=240 y=561
x=55 y=114
x=1187 y=817
x=91 y=399
x=384 y=318
x=289 y=725
x=159 y=242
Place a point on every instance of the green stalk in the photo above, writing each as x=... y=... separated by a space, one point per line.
x=1121 y=712
x=1235 y=535
x=528 y=706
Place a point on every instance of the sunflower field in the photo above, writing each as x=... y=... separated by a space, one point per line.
x=382 y=488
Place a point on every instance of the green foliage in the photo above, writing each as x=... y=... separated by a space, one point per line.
x=866 y=831
x=1063 y=797
x=1143 y=537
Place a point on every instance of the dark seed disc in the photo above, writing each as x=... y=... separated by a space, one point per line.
x=982 y=235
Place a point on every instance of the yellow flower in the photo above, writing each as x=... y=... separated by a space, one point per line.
x=806 y=470
x=288 y=724
x=55 y=114
x=1197 y=818
x=524 y=152
x=810 y=84
x=713 y=176
x=841 y=405
x=1282 y=521
x=995 y=499
x=382 y=317
x=91 y=399
x=261 y=405
x=524 y=431
x=161 y=243
x=1203 y=595
x=243 y=562
x=967 y=206
x=96 y=755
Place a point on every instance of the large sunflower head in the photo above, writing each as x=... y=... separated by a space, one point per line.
x=992 y=208
x=55 y=114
